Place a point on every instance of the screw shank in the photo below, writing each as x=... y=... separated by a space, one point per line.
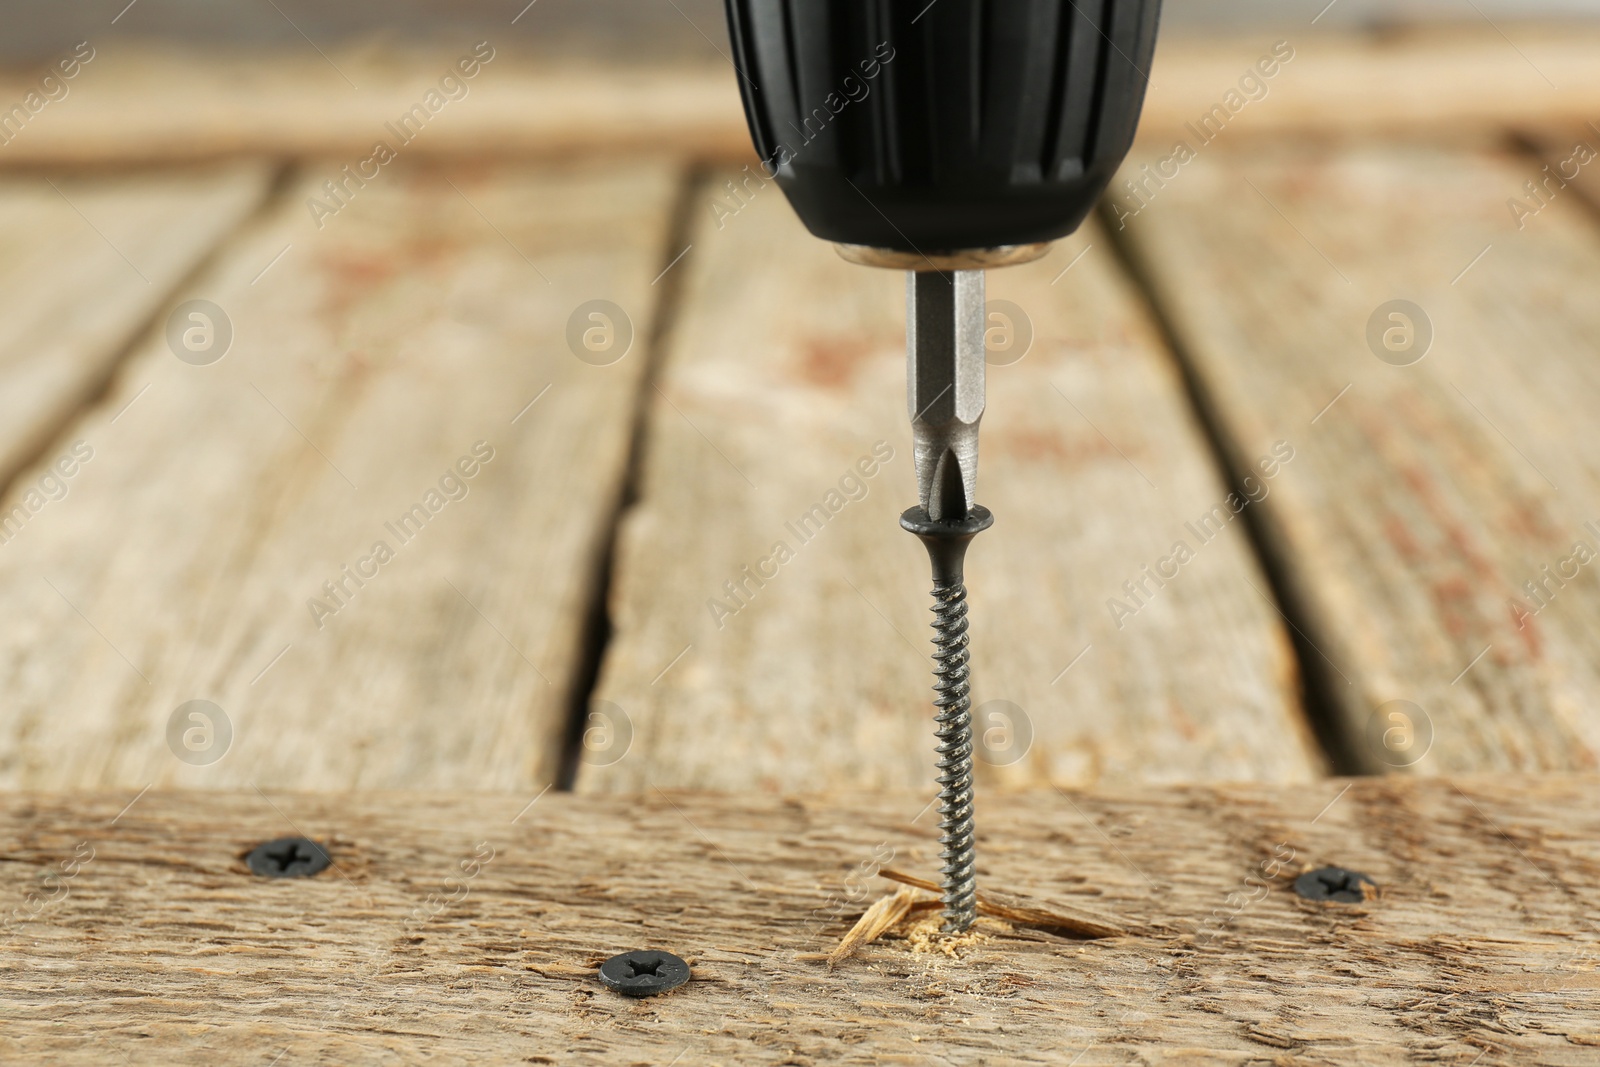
x=946 y=541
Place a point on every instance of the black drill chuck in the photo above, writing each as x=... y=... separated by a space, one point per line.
x=941 y=126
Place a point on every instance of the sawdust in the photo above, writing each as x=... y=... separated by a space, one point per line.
x=925 y=935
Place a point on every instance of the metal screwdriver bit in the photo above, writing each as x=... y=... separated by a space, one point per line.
x=944 y=386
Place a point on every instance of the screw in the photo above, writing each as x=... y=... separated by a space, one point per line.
x=946 y=541
x=288 y=857
x=644 y=973
x=1336 y=884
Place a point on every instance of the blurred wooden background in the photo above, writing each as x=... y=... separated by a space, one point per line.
x=1207 y=322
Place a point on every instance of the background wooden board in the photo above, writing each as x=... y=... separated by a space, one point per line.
x=784 y=372
x=1429 y=493
x=1482 y=944
x=368 y=358
x=1426 y=81
x=162 y=103
x=138 y=100
x=614 y=30
x=86 y=262
x=626 y=29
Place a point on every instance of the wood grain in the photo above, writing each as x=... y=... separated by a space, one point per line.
x=376 y=363
x=142 y=102
x=1429 y=494
x=155 y=103
x=86 y=262
x=784 y=372
x=1425 y=80
x=1481 y=945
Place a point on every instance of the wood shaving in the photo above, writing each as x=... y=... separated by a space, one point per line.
x=883 y=915
x=1060 y=918
x=923 y=922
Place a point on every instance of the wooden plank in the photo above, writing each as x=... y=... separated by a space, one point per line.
x=150 y=103
x=1420 y=80
x=604 y=29
x=468 y=928
x=784 y=382
x=86 y=262
x=1430 y=493
x=142 y=102
x=386 y=363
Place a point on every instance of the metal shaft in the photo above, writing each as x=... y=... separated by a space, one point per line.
x=944 y=389
x=944 y=386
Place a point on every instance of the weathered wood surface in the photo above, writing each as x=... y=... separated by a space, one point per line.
x=161 y=948
x=1424 y=80
x=372 y=360
x=1430 y=494
x=133 y=101
x=86 y=262
x=784 y=372
x=599 y=28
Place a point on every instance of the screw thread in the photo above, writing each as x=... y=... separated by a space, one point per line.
x=952 y=698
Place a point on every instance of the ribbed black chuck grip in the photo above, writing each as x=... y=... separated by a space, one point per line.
x=951 y=125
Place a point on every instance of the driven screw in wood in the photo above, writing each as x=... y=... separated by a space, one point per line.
x=288 y=857
x=1336 y=884
x=644 y=973
x=946 y=542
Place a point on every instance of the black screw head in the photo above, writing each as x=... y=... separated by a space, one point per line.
x=644 y=973
x=288 y=857
x=1336 y=884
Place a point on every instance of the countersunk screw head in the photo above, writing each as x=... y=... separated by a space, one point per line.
x=288 y=857
x=1336 y=884
x=644 y=973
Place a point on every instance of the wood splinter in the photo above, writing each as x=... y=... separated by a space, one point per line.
x=882 y=916
x=888 y=912
x=1020 y=911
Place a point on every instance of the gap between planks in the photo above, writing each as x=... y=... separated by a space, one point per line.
x=1438 y=486
x=1318 y=702
x=597 y=624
